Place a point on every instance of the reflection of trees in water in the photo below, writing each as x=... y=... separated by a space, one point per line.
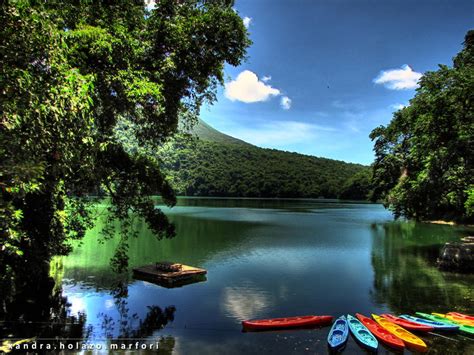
x=198 y=240
x=36 y=308
x=406 y=278
x=39 y=310
x=129 y=327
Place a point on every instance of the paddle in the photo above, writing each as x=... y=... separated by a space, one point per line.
x=442 y=336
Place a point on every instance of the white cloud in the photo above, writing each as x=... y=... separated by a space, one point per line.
x=399 y=79
x=266 y=78
x=150 y=4
x=285 y=103
x=280 y=133
x=247 y=21
x=397 y=106
x=247 y=88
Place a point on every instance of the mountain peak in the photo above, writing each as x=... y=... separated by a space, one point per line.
x=207 y=133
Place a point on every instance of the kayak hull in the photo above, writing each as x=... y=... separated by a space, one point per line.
x=461 y=315
x=409 y=325
x=381 y=333
x=362 y=334
x=439 y=326
x=286 y=323
x=466 y=329
x=411 y=341
x=338 y=334
x=455 y=319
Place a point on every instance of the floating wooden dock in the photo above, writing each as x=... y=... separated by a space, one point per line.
x=168 y=274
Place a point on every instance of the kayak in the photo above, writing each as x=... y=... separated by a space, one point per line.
x=468 y=329
x=410 y=340
x=455 y=319
x=465 y=316
x=288 y=322
x=444 y=326
x=381 y=333
x=337 y=336
x=409 y=325
x=460 y=320
x=362 y=334
x=438 y=318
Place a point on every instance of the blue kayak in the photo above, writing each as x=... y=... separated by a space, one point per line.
x=437 y=325
x=362 y=334
x=338 y=334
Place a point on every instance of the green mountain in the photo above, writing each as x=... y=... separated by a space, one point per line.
x=205 y=132
x=216 y=164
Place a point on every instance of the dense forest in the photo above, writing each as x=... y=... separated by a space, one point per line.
x=201 y=161
x=205 y=167
x=70 y=75
x=424 y=166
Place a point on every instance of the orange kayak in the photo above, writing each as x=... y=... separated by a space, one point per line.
x=381 y=333
x=408 y=324
x=410 y=340
x=460 y=315
x=285 y=323
x=459 y=320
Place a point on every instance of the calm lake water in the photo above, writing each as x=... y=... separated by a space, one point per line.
x=267 y=258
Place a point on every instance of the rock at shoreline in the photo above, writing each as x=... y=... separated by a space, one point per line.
x=458 y=256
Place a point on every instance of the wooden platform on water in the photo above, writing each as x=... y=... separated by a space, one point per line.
x=186 y=275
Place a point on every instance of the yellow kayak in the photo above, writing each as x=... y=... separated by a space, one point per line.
x=455 y=319
x=408 y=338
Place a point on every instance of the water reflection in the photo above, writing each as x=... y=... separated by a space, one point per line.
x=112 y=318
x=50 y=319
x=264 y=259
x=39 y=310
x=406 y=277
x=129 y=325
x=198 y=240
x=245 y=302
x=407 y=280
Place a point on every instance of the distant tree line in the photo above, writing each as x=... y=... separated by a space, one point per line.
x=206 y=168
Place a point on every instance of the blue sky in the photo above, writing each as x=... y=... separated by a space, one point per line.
x=321 y=75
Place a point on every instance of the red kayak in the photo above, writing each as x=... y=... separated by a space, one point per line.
x=460 y=315
x=284 y=323
x=408 y=324
x=381 y=333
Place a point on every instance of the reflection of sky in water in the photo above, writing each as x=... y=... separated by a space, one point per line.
x=263 y=282
x=261 y=263
x=245 y=302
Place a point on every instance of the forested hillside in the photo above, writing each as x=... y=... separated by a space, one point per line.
x=205 y=132
x=220 y=165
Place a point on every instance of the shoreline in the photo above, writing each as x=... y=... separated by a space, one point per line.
x=450 y=223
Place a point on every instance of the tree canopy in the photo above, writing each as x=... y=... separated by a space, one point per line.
x=209 y=168
x=424 y=165
x=70 y=74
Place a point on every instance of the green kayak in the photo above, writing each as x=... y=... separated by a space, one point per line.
x=467 y=329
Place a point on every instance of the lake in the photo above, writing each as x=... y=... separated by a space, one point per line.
x=266 y=258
